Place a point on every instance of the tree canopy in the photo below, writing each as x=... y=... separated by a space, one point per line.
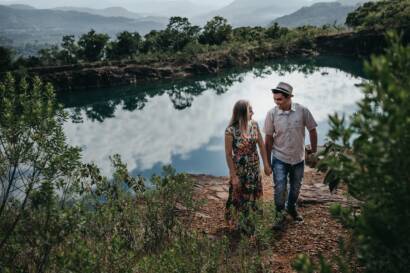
x=386 y=14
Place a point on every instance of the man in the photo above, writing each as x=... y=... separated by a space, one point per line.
x=285 y=138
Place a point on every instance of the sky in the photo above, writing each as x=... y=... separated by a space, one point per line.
x=102 y=3
x=108 y=3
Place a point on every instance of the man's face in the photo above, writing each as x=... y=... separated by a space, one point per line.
x=281 y=101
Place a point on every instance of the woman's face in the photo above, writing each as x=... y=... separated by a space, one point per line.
x=250 y=112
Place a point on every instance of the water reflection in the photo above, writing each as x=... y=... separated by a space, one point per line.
x=183 y=122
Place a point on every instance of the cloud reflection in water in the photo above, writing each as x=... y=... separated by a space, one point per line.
x=159 y=132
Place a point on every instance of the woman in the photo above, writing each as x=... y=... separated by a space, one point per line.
x=241 y=138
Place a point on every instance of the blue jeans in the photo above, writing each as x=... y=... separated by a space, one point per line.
x=282 y=172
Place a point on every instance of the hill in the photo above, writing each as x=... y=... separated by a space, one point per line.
x=252 y=13
x=317 y=14
x=48 y=26
x=107 y=12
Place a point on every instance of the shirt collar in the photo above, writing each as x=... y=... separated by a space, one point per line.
x=292 y=109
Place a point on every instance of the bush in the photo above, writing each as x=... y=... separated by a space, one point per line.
x=38 y=174
x=6 y=58
x=216 y=31
x=386 y=14
x=372 y=155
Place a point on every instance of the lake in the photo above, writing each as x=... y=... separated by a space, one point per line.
x=183 y=122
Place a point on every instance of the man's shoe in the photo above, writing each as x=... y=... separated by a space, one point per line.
x=279 y=224
x=295 y=215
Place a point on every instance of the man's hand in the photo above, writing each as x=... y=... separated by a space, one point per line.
x=313 y=141
x=268 y=170
x=311 y=157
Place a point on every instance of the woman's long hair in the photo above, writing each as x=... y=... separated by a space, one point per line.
x=240 y=115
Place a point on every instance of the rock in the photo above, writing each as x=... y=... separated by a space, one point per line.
x=222 y=195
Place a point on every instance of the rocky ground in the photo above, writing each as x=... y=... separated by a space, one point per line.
x=319 y=234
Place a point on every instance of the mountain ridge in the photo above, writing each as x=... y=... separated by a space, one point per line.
x=318 y=14
x=29 y=25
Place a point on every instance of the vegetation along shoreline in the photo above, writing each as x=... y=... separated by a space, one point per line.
x=183 y=50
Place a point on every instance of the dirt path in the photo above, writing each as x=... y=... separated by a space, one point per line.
x=318 y=234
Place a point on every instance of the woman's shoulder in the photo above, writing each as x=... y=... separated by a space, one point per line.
x=230 y=130
x=254 y=123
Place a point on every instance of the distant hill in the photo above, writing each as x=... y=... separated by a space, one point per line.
x=117 y=12
x=161 y=8
x=48 y=26
x=107 y=12
x=317 y=14
x=251 y=12
x=184 y=8
x=354 y=2
x=21 y=6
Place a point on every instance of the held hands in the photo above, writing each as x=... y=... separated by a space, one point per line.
x=268 y=170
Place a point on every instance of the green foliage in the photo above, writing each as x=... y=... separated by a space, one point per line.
x=303 y=264
x=6 y=58
x=216 y=31
x=248 y=34
x=275 y=31
x=155 y=41
x=38 y=172
x=347 y=215
x=256 y=222
x=386 y=14
x=180 y=41
x=92 y=45
x=126 y=45
x=60 y=215
x=69 y=52
x=372 y=156
x=336 y=264
x=188 y=252
x=180 y=32
x=49 y=56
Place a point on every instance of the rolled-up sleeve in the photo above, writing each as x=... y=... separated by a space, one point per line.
x=268 y=126
x=310 y=122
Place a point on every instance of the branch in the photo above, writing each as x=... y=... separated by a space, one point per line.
x=6 y=195
x=13 y=226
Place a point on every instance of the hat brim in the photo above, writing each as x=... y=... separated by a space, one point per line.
x=276 y=90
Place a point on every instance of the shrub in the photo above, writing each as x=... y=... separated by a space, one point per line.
x=372 y=156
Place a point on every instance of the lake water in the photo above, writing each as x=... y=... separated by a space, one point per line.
x=183 y=122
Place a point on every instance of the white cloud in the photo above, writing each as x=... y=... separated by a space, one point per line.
x=158 y=132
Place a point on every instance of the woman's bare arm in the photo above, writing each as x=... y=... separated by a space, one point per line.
x=232 y=171
x=228 y=154
x=264 y=155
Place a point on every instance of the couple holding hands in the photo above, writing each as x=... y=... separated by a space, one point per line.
x=282 y=152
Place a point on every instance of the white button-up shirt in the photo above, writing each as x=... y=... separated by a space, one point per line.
x=288 y=131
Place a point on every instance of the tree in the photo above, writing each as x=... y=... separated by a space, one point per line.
x=372 y=155
x=92 y=45
x=275 y=31
x=249 y=34
x=6 y=58
x=154 y=41
x=38 y=171
x=381 y=15
x=180 y=32
x=49 y=56
x=127 y=44
x=216 y=31
x=69 y=52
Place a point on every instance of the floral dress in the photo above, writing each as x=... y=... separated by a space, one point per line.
x=246 y=162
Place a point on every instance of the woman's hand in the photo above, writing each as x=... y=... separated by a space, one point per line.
x=268 y=170
x=235 y=187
